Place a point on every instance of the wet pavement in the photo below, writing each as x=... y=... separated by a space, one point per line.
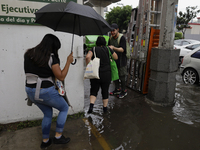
x=130 y=124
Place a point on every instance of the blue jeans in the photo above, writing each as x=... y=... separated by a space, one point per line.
x=51 y=99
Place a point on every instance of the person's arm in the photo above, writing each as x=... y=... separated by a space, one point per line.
x=122 y=45
x=115 y=48
x=120 y=49
x=88 y=57
x=115 y=56
x=61 y=74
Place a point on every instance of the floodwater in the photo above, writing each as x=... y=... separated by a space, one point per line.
x=133 y=124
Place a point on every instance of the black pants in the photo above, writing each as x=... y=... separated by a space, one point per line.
x=123 y=83
x=103 y=82
x=122 y=77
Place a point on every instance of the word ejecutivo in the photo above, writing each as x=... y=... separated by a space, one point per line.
x=7 y=9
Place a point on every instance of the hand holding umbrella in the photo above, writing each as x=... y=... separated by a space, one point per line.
x=70 y=58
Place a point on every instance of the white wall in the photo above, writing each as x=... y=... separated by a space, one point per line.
x=14 y=41
x=192 y=36
x=195 y=29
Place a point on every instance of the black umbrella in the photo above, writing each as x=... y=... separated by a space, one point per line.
x=72 y=18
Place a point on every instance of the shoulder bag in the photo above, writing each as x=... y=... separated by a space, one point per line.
x=113 y=66
x=92 y=69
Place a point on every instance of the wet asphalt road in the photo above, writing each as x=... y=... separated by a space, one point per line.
x=132 y=124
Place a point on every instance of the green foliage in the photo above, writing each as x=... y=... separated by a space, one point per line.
x=75 y=116
x=176 y=38
x=184 y=18
x=120 y=15
x=26 y=124
x=178 y=35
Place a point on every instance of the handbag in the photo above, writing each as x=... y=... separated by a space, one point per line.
x=60 y=87
x=113 y=66
x=92 y=68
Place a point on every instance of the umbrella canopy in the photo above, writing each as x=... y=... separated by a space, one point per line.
x=72 y=18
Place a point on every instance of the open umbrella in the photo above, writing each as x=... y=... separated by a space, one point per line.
x=72 y=18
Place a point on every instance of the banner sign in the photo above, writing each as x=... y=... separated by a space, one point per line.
x=22 y=11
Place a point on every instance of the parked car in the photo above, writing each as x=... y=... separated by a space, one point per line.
x=182 y=42
x=186 y=49
x=190 y=67
x=90 y=41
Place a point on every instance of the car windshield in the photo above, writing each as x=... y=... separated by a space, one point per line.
x=185 y=43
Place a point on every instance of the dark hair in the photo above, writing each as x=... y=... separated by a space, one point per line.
x=101 y=41
x=41 y=53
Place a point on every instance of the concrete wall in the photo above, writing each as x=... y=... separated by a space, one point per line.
x=14 y=41
x=100 y=10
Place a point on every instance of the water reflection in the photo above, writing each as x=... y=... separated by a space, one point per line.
x=187 y=107
x=133 y=124
x=187 y=104
x=117 y=127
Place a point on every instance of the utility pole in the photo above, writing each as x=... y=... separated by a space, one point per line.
x=164 y=59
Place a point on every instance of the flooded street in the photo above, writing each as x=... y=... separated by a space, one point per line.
x=187 y=108
x=133 y=124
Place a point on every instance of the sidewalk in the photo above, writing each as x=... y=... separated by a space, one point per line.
x=30 y=138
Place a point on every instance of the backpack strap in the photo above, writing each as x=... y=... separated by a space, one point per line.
x=35 y=79
x=119 y=38
x=94 y=52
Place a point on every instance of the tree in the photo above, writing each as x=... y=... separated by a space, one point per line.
x=184 y=18
x=120 y=16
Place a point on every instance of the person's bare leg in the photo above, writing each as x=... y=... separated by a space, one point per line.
x=92 y=99
x=105 y=102
x=45 y=140
x=58 y=134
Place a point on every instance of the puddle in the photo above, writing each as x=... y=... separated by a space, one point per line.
x=132 y=124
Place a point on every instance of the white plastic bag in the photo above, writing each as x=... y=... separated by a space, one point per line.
x=92 y=69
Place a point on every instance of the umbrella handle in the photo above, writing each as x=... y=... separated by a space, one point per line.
x=73 y=63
